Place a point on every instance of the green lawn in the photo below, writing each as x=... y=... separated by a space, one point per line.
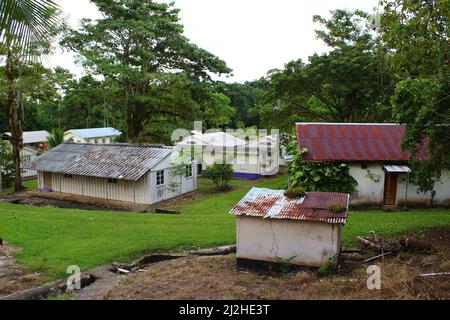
x=29 y=184
x=52 y=239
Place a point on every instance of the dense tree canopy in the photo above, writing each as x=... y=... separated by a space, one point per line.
x=417 y=35
x=137 y=44
x=348 y=84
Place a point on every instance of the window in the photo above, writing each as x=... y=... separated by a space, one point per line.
x=160 y=178
x=68 y=176
x=26 y=158
x=188 y=171
x=110 y=180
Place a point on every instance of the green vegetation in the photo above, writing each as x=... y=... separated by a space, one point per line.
x=295 y=192
x=329 y=266
x=28 y=184
x=220 y=174
x=52 y=239
x=319 y=176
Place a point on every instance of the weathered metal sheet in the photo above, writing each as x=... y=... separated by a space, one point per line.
x=116 y=161
x=352 y=142
x=273 y=204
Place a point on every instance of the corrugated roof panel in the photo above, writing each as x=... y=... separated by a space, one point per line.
x=32 y=136
x=117 y=161
x=272 y=204
x=95 y=132
x=352 y=142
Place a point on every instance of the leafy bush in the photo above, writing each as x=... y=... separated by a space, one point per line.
x=329 y=266
x=320 y=176
x=295 y=192
x=220 y=174
x=6 y=164
x=286 y=264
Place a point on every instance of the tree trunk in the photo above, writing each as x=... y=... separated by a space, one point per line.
x=15 y=109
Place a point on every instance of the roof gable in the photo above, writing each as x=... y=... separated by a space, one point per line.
x=352 y=141
x=117 y=161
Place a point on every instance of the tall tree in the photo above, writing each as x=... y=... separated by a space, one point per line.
x=26 y=28
x=417 y=36
x=345 y=85
x=135 y=44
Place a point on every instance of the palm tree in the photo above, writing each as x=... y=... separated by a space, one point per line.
x=26 y=30
x=55 y=138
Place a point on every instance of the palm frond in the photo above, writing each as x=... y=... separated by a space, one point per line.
x=27 y=25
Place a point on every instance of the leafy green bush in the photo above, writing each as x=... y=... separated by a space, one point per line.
x=220 y=174
x=295 y=192
x=329 y=266
x=320 y=176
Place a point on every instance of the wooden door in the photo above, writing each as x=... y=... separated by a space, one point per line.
x=390 y=189
x=47 y=180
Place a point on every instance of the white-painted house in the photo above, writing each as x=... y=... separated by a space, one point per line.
x=94 y=135
x=32 y=141
x=132 y=173
x=303 y=231
x=375 y=159
x=250 y=159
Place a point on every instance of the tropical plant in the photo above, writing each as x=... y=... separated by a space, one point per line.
x=6 y=164
x=319 y=176
x=55 y=138
x=220 y=174
x=26 y=28
x=417 y=34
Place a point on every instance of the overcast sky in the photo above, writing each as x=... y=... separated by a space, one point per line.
x=252 y=36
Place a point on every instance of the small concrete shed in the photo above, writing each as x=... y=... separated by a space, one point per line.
x=305 y=231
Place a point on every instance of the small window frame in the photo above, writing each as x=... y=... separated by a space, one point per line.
x=160 y=178
x=189 y=171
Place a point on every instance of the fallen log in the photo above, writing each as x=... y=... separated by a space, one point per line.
x=224 y=250
x=415 y=245
x=378 y=244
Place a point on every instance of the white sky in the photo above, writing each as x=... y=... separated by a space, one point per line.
x=252 y=36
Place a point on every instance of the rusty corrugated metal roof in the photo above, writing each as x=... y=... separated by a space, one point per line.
x=273 y=204
x=352 y=141
x=116 y=161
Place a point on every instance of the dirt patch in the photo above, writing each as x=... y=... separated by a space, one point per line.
x=54 y=203
x=218 y=278
x=14 y=277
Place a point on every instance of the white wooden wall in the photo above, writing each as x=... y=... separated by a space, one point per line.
x=143 y=191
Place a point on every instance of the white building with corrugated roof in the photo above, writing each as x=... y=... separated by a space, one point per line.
x=272 y=227
x=93 y=135
x=32 y=141
x=137 y=174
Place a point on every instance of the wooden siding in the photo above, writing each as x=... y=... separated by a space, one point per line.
x=136 y=192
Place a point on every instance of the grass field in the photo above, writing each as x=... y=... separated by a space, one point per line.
x=29 y=184
x=53 y=239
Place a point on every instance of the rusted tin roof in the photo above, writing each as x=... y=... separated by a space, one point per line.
x=352 y=141
x=273 y=204
x=116 y=161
